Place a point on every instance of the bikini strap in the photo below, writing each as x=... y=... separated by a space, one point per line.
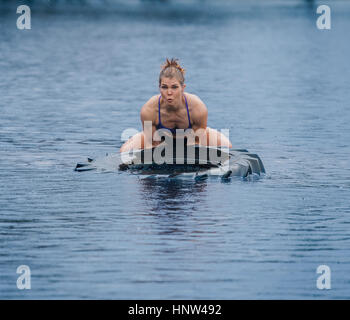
x=188 y=114
x=159 y=122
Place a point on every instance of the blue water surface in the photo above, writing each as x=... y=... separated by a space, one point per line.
x=78 y=78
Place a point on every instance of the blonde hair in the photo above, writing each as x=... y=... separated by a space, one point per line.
x=172 y=69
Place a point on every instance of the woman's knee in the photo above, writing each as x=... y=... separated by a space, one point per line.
x=136 y=142
x=216 y=138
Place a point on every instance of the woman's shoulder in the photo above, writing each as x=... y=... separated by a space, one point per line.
x=149 y=109
x=194 y=101
x=151 y=103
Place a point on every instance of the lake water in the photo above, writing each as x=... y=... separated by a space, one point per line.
x=78 y=78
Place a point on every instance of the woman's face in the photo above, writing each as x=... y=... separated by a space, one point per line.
x=171 y=90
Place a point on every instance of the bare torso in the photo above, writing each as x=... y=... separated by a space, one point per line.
x=175 y=117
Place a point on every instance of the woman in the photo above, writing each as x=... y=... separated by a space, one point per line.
x=173 y=109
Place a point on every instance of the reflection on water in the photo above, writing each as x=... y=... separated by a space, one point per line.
x=172 y=196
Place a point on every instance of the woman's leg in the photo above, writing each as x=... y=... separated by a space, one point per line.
x=134 y=143
x=214 y=138
x=217 y=139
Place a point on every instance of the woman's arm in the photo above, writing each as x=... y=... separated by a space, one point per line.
x=200 y=119
x=147 y=116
